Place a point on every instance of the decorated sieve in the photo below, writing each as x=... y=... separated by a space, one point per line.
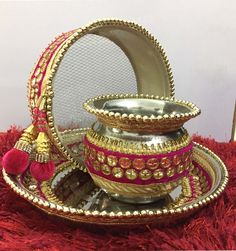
x=138 y=150
x=108 y=56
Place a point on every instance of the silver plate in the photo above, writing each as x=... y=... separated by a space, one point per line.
x=71 y=194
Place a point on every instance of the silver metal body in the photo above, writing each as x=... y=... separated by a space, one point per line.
x=147 y=138
x=143 y=106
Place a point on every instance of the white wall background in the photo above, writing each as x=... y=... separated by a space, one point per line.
x=199 y=37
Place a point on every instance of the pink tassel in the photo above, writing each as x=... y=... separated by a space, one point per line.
x=42 y=171
x=16 y=160
x=42 y=168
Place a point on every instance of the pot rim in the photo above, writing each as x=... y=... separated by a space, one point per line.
x=131 y=121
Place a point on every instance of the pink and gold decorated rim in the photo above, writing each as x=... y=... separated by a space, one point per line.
x=39 y=73
x=137 y=169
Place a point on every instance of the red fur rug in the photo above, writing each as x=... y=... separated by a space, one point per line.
x=23 y=227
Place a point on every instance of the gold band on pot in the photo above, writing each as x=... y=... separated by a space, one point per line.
x=124 y=146
x=132 y=190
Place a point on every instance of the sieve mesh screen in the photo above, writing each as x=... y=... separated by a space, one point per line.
x=92 y=66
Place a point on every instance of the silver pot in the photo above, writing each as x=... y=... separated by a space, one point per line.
x=138 y=150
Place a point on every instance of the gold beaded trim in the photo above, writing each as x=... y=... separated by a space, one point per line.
x=39 y=71
x=137 y=168
x=204 y=161
x=138 y=122
x=124 y=146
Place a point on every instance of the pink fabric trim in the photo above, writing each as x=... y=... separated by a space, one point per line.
x=65 y=35
x=137 y=181
x=205 y=173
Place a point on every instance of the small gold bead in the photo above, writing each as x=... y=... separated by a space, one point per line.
x=158 y=174
x=125 y=162
x=32 y=95
x=93 y=154
x=47 y=54
x=101 y=157
x=138 y=117
x=124 y=116
x=165 y=162
x=131 y=174
x=112 y=160
x=38 y=70
x=96 y=165
x=127 y=213
x=39 y=77
x=106 y=169
x=42 y=61
x=43 y=67
x=138 y=163
x=33 y=81
x=152 y=163
x=117 y=172
x=146 y=118
x=145 y=174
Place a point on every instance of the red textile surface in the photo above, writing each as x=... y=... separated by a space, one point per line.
x=23 y=227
